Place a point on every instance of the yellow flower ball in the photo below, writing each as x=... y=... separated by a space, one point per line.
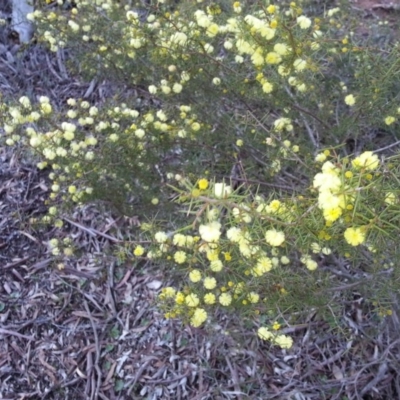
x=180 y=258
x=203 y=184
x=195 y=276
x=216 y=266
x=225 y=299
x=283 y=341
x=198 y=318
x=139 y=251
x=264 y=334
x=303 y=22
x=210 y=232
x=192 y=300
x=210 y=283
x=267 y=87
x=350 y=100
x=180 y=298
x=253 y=297
x=274 y=238
x=366 y=160
x=276 y=326
x=167 y=292
x=209 y=298
x=273 y=58
x=390 y=120
x=354 y=236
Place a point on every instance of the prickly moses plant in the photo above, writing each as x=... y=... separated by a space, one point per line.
x=251 y=126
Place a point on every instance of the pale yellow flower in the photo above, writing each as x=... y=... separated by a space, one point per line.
x=192 y=300
x=210 y=232
x=274 y=237
x=321 y=157
x=210 y=283
x=167 y=292
x=281 y=48
x=332 y=214
x=139 y=251
x=195 y=275
x=264 y=333
x=180 y=257
x=273 y=58
x=209 y=298
x=350 y=100
x=160 y=237
x=199 y=316
x=264 y=265
x=253 y=297
x=366 y=160
x=222 y=190
x=179 y=240
x=354 y=236
x=389 y=120
x=283 y=341
x=152 y=89
x=216 y=265
x=267 y=87
x=225 y=299
x=24 y=100
x=285 y=260
x=180 y=298
x=303 y=22
x=276 y=326
x=46 y=108
x=234 y=234
x=177 y=88
x=299 y=64
x=390 y=198
x=309 y=262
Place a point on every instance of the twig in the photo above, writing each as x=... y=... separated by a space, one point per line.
x=60 y=54
x=12 y=333
x=90 y=89
x=97 y=358
x=15 y=263
x=311 y=115
x=167 y=381
x=92 y=231
x=381 y=372
x=235 y=378
x=387 y=147
x=53 y=71
x=375 y=362
x=139 y=372
x=310 y=134
x=273 y=185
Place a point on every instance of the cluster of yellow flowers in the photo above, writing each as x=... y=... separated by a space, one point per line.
x=259 y=36
x=212 y=276
x=283 y=341
x=338 y=191
x=72 y=143
x=210 y=256
x=225 y=266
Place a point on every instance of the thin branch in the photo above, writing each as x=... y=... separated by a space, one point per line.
x=387 y=147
